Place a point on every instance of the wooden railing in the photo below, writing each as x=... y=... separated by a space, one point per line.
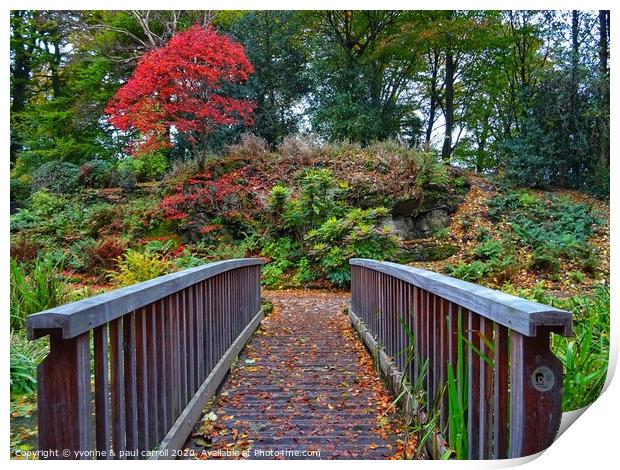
x=511 y=382
x=151 y=354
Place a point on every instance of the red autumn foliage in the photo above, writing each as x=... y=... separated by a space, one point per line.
x=181 y=85
x=24 y=249
x=201 y=198
x=106 y=251
x=210 y=228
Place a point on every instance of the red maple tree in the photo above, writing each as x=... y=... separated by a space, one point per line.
x=181 y=86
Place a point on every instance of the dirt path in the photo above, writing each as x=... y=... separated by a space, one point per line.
x=305 y=383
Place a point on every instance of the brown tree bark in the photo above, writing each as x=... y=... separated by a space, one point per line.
x=20 y=75
x=433 y=57
x=603 y=56
x=446 y=150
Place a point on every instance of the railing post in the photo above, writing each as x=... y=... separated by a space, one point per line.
x=64 y=398
x=535 y=393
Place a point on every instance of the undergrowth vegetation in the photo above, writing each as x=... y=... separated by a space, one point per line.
x=306 y=211
x=543 y=230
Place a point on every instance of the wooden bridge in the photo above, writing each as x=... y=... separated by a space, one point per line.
x=130 y=371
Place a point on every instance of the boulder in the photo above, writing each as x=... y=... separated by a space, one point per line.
x=422 y=225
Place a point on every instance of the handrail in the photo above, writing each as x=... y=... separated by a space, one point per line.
x=521 y=315
x=154 y=353
x=491 y=347
x=78 y=317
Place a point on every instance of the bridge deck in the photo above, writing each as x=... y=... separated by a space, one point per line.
x=305 y=382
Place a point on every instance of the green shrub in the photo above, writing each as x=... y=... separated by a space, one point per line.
x=23 y=219
x=588 y=259
x=188 y=260
x=57 y=177
x=553 y=227
x=577 y=276
x=127 y=178
x=98 y=174
x=272 y=274
x=586 y=355
x=490 y=249
x=316 y=197
x=482 y=234
x=305 y=272
x=334 y=263
x=430 y=169
x=104 y=218
x=494 y=261
x=148 y=167
x=510 y=202
x=79 y=254
x=47 y=204
x=51 y=215
x=161 y=247
x=545 y=259
x=34 y=288
x=282 y=254
x=25 y=356
x=20 y=189
x=278 y=198
x=135 y=267
x=357 y=234
x=442 y=233
x=527 y=199
x=218 y=251
x=472 y=272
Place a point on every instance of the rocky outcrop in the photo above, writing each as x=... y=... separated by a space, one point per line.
x=409 y=228
x=420 y=217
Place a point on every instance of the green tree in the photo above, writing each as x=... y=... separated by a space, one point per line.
x=273 y=44
x=362 y=65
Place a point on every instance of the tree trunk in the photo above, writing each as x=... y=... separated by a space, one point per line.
x=574 y=77
x=20 y=77
x=482 y=142
x=603 y=57
x=446 y=150
x=573 y=123
x=55 y=69
x=434 y=58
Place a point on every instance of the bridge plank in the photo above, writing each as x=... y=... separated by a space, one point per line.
x=198 y=295
x=161 y=352
x=152 y=377
x=473 y=383
x=500 y=392
x=305 y=382
x=117 y=386
x=131 y=401
x=102 y=392
x=443 y=370
x=190 y=334
x=486 y=388
x=64 y=399
x=178 y=433
x=142 y=367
